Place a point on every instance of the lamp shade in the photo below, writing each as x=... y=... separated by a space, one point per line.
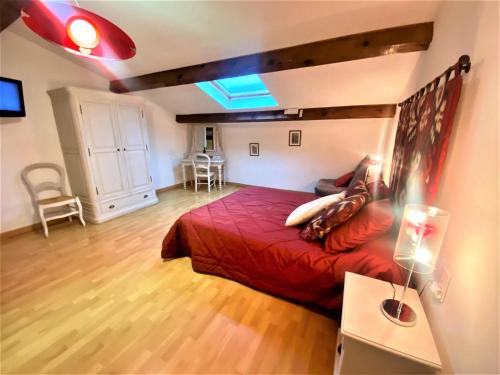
x=78 y=30
x=420 y=237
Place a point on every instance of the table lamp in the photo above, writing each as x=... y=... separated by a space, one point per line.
x=420 y=237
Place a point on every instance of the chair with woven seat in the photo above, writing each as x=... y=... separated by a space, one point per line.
x=201 y=171
x=71 y=204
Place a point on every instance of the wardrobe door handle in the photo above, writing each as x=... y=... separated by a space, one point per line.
x=117 y=149
x=124 y=149
x=112 y=206
x=146 y=195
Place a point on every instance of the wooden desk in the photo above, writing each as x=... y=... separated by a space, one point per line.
x=216 y=163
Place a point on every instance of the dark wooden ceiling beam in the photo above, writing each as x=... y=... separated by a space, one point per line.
x=400 y=39
x=10 y=10
x=308 y=114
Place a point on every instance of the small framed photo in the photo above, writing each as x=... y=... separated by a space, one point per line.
x=254 y=149
x=294 y=137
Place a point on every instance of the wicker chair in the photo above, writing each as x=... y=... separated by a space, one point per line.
x=62 y=199
x=201 y=171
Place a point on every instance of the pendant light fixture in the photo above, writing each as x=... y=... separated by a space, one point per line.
x=78 y=30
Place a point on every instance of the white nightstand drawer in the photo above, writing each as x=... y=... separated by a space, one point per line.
x=373 y=344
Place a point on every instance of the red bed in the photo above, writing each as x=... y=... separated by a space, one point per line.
x=243 y=237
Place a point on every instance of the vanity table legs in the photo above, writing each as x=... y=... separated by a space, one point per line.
x=184 y=176
x=219 y=167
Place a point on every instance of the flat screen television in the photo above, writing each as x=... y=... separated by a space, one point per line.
x=11 y=98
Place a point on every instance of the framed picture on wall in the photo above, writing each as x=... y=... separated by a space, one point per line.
x=294 y=137
x=254 y=149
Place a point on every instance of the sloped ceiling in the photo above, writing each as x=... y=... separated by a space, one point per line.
x=171 y=34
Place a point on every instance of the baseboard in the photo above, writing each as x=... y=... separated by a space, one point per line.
x=38 y=226
x=240 y=184
x=168 y=188
x=266 y=187
x=30 y=228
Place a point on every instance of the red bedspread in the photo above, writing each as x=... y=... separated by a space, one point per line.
x=243 y=237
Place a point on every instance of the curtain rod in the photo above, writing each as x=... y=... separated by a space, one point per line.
x=463 y=65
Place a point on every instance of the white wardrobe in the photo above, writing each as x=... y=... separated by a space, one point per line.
x=106 y=150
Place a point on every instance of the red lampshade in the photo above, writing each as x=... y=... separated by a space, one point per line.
x=78 y=30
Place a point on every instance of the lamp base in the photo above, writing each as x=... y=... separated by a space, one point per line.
x=405 y=318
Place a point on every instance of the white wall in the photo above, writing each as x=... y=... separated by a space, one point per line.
x=34 y=138
x=329 y=149
x=169 y=143
x=466 y=325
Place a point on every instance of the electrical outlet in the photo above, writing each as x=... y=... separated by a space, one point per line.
x=439 y=286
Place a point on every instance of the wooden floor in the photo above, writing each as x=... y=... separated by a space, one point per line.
x=100 y=300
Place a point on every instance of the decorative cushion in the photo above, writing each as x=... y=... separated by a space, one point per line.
x=326 y=186
x=378 y=190
x=307 y=211
x=373 y=172
x=361 y=171
x=344 y=180
x=337 y=213
x=371 y=222
x=357 y=189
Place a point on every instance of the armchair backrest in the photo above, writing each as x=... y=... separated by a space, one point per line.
x=35 y=189
x=201 y=163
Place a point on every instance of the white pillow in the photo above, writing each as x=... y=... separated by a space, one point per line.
x=307 y=211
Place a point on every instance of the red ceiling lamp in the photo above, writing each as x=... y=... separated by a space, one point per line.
x=77 y=30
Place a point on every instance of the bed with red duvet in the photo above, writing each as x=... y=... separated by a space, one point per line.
x=243 y=237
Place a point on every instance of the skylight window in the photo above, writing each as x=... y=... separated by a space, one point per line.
x=243 y=92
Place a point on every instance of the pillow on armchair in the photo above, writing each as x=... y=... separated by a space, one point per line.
x=328 y=186
x=378 y=190
x=344 y=180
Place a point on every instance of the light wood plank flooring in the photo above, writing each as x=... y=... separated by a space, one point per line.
x=100 y=300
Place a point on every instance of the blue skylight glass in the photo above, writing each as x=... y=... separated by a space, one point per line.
x=246 y=85
x=239 y=92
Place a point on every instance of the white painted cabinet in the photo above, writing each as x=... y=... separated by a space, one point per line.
x=135 y=147
x=105 y=146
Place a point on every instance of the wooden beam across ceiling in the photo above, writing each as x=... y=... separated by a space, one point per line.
x=323 y=113
x=10 y=10
x=409 y=38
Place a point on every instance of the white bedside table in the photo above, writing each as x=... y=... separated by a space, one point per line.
x=369 y=343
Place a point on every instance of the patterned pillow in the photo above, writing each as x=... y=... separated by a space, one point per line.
x=307 y=211
x=378 y=190
x=361 y=171
x=337 y=213
x=358 y=188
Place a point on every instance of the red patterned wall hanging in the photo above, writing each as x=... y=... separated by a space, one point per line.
x=422 y=137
